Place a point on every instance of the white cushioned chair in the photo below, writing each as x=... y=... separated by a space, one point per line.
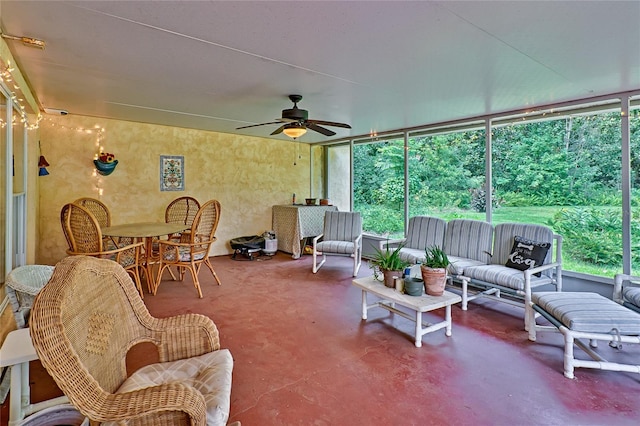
x=83 y=323
x=342 y=236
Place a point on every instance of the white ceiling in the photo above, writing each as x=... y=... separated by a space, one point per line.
x=378 y=65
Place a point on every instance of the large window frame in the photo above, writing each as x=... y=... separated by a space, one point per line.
x=14 y=188
x=622 y=102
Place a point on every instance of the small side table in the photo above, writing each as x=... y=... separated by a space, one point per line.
x=16 y=352
x=23 y=284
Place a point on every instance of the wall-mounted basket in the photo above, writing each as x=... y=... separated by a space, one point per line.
x=105 y=169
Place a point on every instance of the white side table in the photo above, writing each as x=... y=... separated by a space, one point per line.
x=23 y=284
x=17 y=350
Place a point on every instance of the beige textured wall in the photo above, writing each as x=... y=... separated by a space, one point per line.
x=246 y=174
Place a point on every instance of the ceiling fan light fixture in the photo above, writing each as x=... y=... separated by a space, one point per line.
x=294 y=130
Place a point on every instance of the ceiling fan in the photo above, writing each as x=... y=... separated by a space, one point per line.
x=296 y=122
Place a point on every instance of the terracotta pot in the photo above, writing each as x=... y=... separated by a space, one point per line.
x=434 y=280
x=388 y=277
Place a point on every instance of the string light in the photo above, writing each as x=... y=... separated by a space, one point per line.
x=6 y=78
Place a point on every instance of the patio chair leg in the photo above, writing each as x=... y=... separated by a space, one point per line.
x=194 y=274
x=210 y=266
x=568 y=356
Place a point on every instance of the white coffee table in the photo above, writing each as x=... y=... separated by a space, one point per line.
x=425 y=303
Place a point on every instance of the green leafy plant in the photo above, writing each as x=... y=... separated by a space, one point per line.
x=388 y=259
x=435 y=258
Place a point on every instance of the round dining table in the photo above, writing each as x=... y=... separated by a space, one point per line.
x=146 y=231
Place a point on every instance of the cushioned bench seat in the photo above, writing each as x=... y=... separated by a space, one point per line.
x=631 y=295
x=585 y=315
x=504 y=276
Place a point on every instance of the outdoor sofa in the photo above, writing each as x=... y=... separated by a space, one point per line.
x=486 y=261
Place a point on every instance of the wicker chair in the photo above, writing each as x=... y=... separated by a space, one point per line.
x=82 y=340
x=64 y=215
x=194 y=253
x=85 y=237
x=102 y=214
x=98 y=209
x=22 y=285
x=182 y=210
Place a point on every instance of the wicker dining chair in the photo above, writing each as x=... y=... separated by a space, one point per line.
x=194 y=253
x=98 y=209
x=64 y=214
x=102 y=214
x=85 y=238
x=82 y=338
x=182 y=210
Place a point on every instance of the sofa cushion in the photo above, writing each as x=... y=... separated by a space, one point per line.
x=459 y=264
x=425 y=231
x=503 y=276
x=588 y=312
x=632 y=295
x=527 y=254
x=413 y=256
x=210 y=374
x=469 y=239
x=341 y=247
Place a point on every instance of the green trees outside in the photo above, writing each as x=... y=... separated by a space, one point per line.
x=568 y=167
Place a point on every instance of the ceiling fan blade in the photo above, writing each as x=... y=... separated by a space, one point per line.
x=315 y=127
x=256 y=125
x=278 y=130
x=329 y=123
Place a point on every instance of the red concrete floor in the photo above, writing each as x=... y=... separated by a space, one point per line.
x=303 y=356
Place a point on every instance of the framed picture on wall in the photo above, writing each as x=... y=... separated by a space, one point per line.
x=171 y=173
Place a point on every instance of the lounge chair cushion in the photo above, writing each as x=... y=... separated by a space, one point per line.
x=210 y=374
x=588 y=312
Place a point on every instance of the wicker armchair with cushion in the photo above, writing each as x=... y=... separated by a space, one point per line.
x=192 y=254
x=82 y=338
x=85 y=238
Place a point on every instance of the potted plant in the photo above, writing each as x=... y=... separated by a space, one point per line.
x=434 y=270
x=389 y=263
